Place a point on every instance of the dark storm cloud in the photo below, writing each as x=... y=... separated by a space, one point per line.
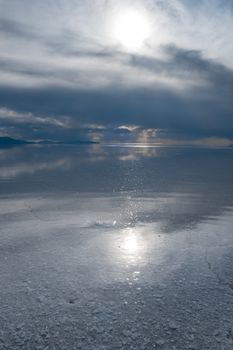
x=181 y=63
x=188 y=63
x=203 y=110
x=145 y=108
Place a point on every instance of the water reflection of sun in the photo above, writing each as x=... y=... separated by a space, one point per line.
x=134 y=244
x=130 y=251
x=131 y=241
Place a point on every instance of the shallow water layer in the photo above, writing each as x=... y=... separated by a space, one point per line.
x=108 y=247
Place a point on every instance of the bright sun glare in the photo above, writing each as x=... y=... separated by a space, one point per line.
x=131 y=30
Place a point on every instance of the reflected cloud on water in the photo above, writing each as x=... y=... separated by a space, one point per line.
x=131 y=242
x=35 y=158
x=131 y=185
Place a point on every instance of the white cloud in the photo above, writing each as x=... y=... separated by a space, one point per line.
x=47 y=29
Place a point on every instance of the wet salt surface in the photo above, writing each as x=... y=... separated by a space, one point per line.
x=111 y=248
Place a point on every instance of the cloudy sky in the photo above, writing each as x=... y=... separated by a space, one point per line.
x=138 y=70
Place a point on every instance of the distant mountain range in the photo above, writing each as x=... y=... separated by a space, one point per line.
x=8 y=141
x=11 y=142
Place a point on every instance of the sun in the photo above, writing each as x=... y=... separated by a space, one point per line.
x=131 y=30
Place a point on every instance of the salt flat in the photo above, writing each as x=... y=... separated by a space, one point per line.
x=116 y=248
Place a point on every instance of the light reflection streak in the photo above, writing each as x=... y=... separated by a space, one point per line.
x=131 y=242
x=134 y=244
